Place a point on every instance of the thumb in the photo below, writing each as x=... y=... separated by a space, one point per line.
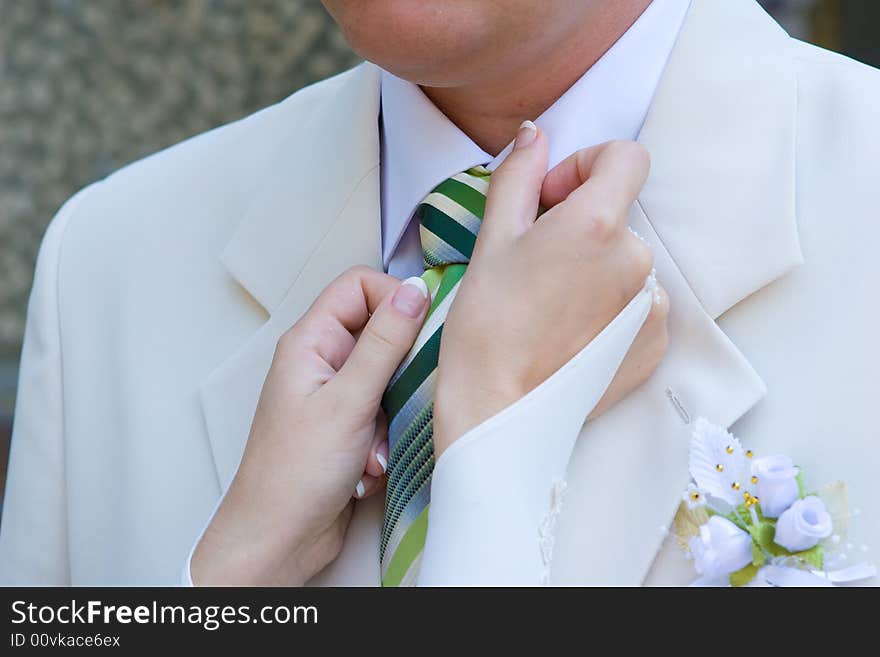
x=385 y=340
x=512 y=201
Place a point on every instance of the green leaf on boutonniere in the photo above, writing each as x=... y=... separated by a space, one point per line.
x=800 y=482
x=740 y=517
x=758 y=558
x=738 y=521
x=761 y=516
x=777 y=550
x=743 y=576
x=763 y=535
x=815 y=556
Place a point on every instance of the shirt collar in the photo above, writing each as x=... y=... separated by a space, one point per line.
x=421 y=147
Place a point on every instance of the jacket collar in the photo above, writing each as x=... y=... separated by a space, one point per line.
x=308 y=187
x=314 y=215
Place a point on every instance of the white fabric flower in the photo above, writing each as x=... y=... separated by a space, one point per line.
x=803 y=525
x=694 y=497
x=777 y=485
x=718 y=462
x=721 y=548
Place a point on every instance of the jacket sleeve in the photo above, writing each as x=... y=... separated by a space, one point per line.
x=33 y=532
x=496 y=492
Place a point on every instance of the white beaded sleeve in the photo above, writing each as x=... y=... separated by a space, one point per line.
x=497 y=490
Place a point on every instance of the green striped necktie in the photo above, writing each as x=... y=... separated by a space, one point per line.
x=449 y=220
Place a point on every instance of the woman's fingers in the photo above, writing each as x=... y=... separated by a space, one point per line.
x=643 y=357
x=368 y=486
x=568 y=175
x=512 y=201
x=384 y=341
x=327 y=334
x=327 y=330
x=373 y=479
x=616 y=177
x=377 y=457
x=616 y=168
x=353 y=296
x=595 y=213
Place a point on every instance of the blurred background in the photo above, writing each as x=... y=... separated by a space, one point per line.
x=87 y=86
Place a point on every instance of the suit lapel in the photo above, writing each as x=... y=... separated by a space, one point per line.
x=314 y=216
x=719 y=213
x=721 y=133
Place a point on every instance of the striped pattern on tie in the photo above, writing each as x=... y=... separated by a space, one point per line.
x=449 y=220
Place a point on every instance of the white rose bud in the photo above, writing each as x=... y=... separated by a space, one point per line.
x=777 y=484
x=803 y=525
x=721 y=548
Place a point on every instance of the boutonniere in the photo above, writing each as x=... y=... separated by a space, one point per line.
x=750 y=520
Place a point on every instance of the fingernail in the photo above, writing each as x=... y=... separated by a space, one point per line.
x=359 y=489
x=410 y=297
x=383 y=463
x=526 y=135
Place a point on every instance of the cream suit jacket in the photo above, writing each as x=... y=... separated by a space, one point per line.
x=160 y=293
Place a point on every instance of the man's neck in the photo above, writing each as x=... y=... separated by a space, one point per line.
x=490 y=111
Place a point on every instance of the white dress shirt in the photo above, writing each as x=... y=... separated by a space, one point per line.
x=494 y=493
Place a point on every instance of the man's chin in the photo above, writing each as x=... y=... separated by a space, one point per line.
x=428 y=73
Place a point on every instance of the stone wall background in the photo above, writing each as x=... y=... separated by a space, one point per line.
x=89 y=85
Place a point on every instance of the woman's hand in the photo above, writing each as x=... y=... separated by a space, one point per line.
x=318 y=437
x=537 y=291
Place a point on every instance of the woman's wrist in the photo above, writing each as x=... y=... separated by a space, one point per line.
x=461 y=407
x=235 y=552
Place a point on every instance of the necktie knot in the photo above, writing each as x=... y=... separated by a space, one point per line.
x=450 y=217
